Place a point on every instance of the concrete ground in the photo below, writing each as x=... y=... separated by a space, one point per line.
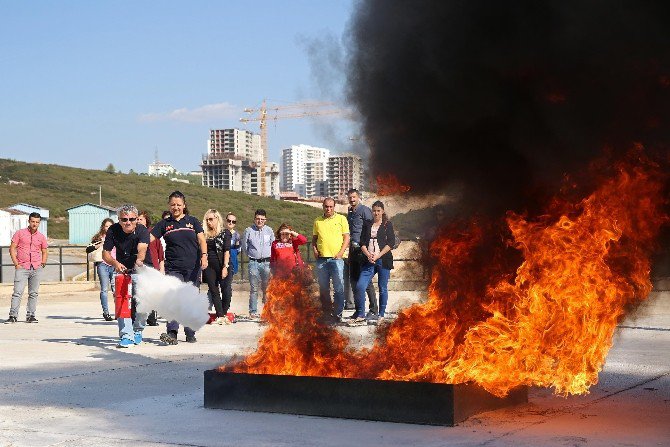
x=63 y=382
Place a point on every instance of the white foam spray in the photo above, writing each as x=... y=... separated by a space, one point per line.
x=171 y=298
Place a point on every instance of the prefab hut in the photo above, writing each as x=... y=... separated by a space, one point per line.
x=17 y=220
x=28 y=208
x=84 y=221
x=5 y=229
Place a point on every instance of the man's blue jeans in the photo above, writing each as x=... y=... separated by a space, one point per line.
x=368 y=270
x=259 y=277
x=328 y=269
x=105 y=275
x=128 y=327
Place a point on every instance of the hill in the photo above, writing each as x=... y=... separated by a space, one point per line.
x=58 y=188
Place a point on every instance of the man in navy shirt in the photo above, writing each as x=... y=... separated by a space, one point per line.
x=358 y=217
x=131 y=242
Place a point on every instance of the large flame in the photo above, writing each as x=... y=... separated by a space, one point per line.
x=550 y=323
x=389 y=185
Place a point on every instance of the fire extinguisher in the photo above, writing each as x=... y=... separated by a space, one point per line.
x=122 y=296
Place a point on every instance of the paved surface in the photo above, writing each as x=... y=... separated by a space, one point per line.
x=63 y=382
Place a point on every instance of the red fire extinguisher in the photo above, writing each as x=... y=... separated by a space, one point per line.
x=122 y=296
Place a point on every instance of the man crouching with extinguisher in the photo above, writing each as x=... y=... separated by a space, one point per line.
x=131 y=242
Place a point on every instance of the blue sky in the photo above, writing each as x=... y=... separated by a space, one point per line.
x=87 y=83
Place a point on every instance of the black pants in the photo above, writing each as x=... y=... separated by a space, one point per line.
x=227 y=290
x=212 y=276
x=352 y=271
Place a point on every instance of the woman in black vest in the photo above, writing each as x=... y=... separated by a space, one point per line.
x=377 y=241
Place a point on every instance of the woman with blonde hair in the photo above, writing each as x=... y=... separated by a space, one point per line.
x=218 y=259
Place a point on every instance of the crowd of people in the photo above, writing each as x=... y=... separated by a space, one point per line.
x=349 y=251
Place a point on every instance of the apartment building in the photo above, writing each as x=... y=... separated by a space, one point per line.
x=345 y=171
x=233 y=162
x=302 y=167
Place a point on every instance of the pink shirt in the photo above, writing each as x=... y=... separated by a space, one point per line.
x=29 y=248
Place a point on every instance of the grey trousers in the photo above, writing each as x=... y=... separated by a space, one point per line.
x=21 y=277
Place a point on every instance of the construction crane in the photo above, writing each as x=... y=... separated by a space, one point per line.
x=301 y=110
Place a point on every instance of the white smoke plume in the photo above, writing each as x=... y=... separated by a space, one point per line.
x=171 y=298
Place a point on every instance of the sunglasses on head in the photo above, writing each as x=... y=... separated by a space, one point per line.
x=231 y=221
x=126 y=219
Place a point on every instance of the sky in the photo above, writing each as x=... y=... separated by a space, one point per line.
x=87 y=83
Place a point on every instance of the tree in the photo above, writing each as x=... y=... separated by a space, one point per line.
x=132 y=172
x=110 y=169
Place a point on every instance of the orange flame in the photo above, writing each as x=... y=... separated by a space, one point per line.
x=389 y=185
x=549 y=324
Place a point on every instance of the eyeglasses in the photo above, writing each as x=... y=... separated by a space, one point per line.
x=262 y=219
x=126 y=219
x=211 y=218
x=231 y=221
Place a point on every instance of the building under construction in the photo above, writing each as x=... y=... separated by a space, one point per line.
x=233 y=162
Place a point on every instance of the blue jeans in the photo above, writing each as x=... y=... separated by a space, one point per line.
x=259 y=275
x=368 y=270
x=105 y=275
x=22 y=276
x=192 y=276
x=328 y=269
x=128 y=326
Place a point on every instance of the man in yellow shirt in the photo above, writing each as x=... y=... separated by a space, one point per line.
x=329 y=241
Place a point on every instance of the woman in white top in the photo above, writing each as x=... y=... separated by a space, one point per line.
x=377 y=241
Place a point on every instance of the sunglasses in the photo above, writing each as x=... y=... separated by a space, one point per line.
x=211 y=218
x=231 y=221
x=126 y=219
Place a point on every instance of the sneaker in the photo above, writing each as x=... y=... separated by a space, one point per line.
x=349 y=307
x=375 y=320
x=138 y=338
x=169 y=338
x=370 y=315
x=125 y=343
x=222 y=320
x=356 y=315
x=31 y=319
x=254 y=315
x=232 y=318
x=359 y=321
x=191 y=339
x=107 y=317
x=11 y=319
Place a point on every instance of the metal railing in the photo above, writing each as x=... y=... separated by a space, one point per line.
x=57 y=252
x=50 y=260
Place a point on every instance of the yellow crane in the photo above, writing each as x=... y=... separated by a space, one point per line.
x=299 y=110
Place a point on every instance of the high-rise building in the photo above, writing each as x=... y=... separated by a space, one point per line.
x=345 y=171
x=233 y=162
x=238 y=142
x=302 y=167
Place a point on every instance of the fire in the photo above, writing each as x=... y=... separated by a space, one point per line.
x=389 y=185
x=548 y=323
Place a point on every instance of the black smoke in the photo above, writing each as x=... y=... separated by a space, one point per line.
x=505 y=98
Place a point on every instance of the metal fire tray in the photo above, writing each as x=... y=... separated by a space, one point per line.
x=373 y=400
